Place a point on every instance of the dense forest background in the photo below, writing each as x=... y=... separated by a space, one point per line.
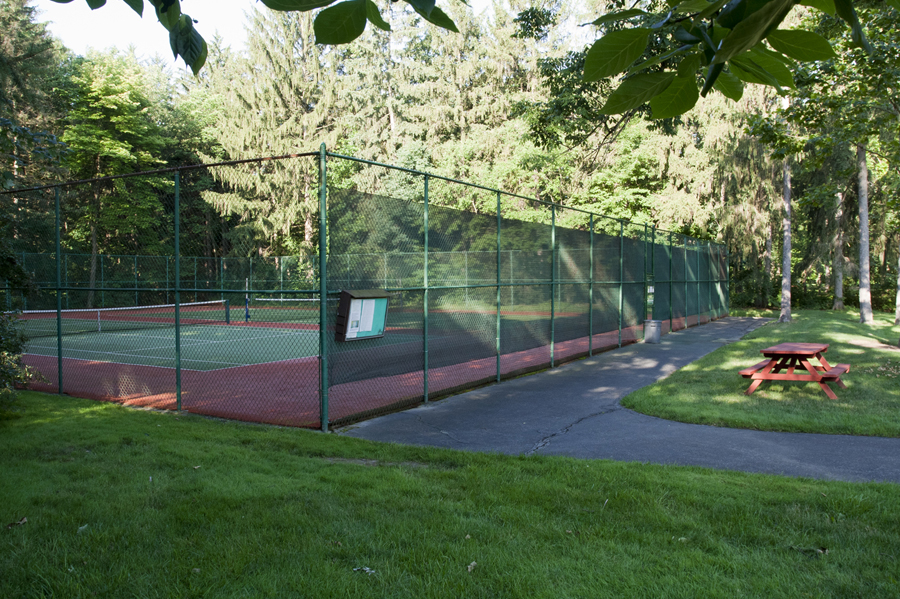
x=503 y=104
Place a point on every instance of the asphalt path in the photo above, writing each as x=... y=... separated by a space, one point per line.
x=574 y=410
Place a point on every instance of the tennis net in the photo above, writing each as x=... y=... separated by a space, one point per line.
x=42 y=323
x=303 y=310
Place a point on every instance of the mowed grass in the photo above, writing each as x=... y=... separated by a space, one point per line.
x=127 y=503
x=710 y=390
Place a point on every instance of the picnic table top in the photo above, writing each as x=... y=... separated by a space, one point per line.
x=795 y=349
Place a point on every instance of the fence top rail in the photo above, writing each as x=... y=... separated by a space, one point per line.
x=171 y=169
x=175 y=169
x=466 y=183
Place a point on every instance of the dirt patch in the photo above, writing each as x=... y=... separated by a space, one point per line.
x=873 y=344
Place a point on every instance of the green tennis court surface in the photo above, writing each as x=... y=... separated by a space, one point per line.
x=203 y=347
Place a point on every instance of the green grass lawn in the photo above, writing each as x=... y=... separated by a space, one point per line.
x=128 y=503
x=710 y=391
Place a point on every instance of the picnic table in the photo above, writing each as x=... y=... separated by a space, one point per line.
x=791 y=357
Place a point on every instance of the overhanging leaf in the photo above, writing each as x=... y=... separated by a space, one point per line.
x=712 y=75
x=423 y=7
x=187 y=43
x=613 y=52
x=894 y=3
x=690 y=6
x=374 y=16
x=683 y=35
x=710 y=10
x=846 y=11
x=95 y=4
x=689 y=64
x=168 y=17
x=137 y=6
x=753 y=28
x=657 y=59
x=439 y=17
x=677 y=99
x=729 y=86
x=618 y=16
x=801 y=45
x=635 y=91
x=748 y=72
x=341 y=23
x=772 y=66
x=300 y=5
x=826 y=6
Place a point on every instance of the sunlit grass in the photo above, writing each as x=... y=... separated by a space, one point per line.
x=127 y=503
x=710 y=391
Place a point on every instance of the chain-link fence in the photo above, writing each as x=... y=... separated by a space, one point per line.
x=215 y=289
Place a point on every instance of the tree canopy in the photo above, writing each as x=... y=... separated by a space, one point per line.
x=671 y=53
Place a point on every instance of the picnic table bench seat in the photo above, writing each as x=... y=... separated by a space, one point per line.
x=748 y=372
x=835 y=372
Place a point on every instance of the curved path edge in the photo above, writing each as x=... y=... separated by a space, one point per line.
x=574 y=411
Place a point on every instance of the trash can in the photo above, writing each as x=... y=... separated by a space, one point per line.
x=652 y=331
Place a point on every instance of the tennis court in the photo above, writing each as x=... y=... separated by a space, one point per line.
x=473 y=296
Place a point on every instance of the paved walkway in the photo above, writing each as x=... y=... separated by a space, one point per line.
x=574 y=411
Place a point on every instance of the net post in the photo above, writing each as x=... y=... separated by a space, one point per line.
x=499 y=319
x=135 y=281
x=177 y=293
x=323 y=292
x=621 y=275
x=59 y=354
x=553 y=282
x=591 y=290
x=227 y=311
x=425 y=303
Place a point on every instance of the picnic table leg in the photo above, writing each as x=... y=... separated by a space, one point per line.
x=825 y=366
x=757 y=382
x=817 y=377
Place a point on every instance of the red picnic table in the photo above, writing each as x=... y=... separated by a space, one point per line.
x=790 y=356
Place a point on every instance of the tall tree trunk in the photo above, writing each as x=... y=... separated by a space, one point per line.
x=767 y=280
x=839 y=253
x=865 y=284
x=897 y=309
x=786 y=252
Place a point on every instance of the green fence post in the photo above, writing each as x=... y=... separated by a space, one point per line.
x=553 y=282
x=591 y=291
x=425 y=301
x=177 y=293
x=59 y=354
x=195 y=278
x=697 y=245
x=499 y=319
x=102 y=284
x=621 y=276
x=645 y=272
x=685 y=270
x=727 y=281
x=135 y=281
x=323 y=292
x=671 y=281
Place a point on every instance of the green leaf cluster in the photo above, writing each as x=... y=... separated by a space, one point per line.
x=672 y=58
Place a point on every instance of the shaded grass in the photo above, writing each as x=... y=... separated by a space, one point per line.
x=710 y=390
x=237 y=510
